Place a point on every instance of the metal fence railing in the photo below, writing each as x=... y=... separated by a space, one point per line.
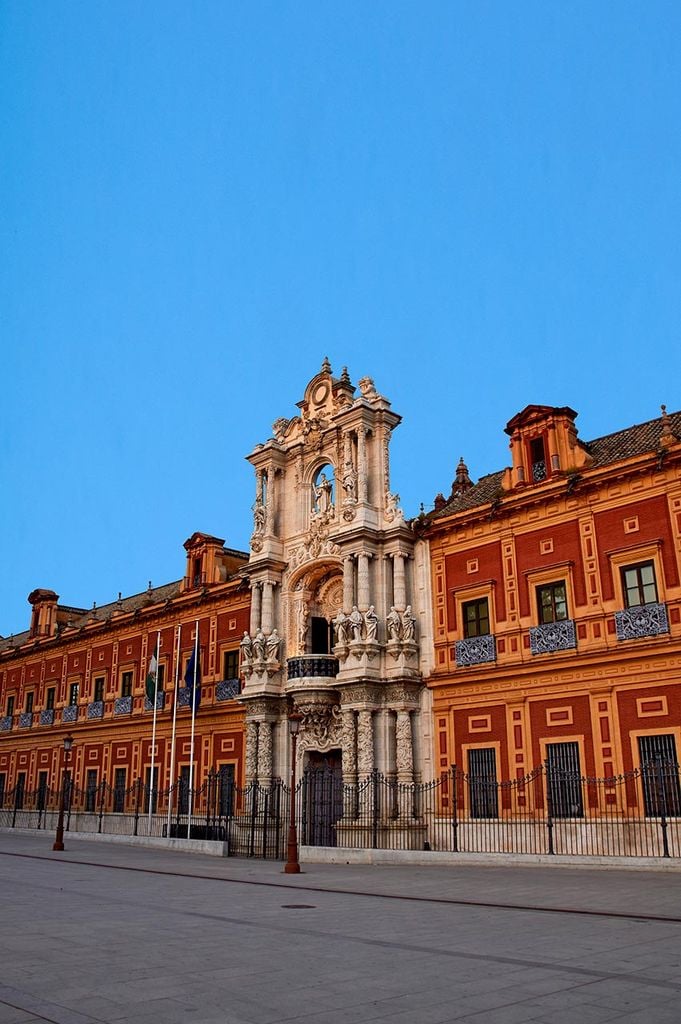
x=549 y=811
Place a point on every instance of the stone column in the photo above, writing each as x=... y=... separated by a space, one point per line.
x=267 y=606
x=399 y=582
x=265 y=753
x=349 y=749
x=256 y=599
x=365 y=743
x=362 y=481
x=251 y=750
x=363 y=591
x=405 y=747
x=348 y=583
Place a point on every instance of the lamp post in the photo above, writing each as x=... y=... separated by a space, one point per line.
x=292 y=867
x=59 y=838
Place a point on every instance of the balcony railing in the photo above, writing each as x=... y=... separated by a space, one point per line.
x=70 y=713
x=47 y=716
x=6 y=723
x=227 y=689
x=553 y=636
x=160 y=702
x=122 y=705
x=95 y=709
x=475 y=650
x=641 y=620
x=315 y=666
x=25 y=719
x=539 y=471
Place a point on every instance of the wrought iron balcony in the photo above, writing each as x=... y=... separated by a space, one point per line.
x=539 y=471
x=227 y=689
x=6 y=723
x=312 y=666
x=553 y=636
x=184 y=697
x=641 y=620
x=25 y=719
x=70 y=713
x=122 y=705
x=160 y=702
x=95 y=709
x=475 y=650
x=47 y=716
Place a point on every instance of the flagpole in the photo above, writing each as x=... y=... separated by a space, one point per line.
x=153 y=733
x=191 y=746
x=172 y=742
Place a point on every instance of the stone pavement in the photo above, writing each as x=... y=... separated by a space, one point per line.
x=108 y=932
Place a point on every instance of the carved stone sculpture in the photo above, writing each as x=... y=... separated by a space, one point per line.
x=393 y=624
x=259 y=646
x=371 y=623
x=355 y=620
x=272 y=646
x=246 y=646
x=341 y=627
x=408 y=626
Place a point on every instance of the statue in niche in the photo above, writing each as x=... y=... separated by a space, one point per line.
x=350 y=484
x=341 y=625
x=259 y=517
x=393 y=623
x=408 y=625
x=355 y=620
x=371 y=624
x=323 y=494
x=259 y=646
x=246 y=646
x=272 y=646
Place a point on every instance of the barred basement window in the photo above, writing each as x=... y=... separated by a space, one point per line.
x=482 y=782
x=564 y=780
x=660 y=775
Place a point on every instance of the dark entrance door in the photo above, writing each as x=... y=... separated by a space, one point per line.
x=322 y=797
x=320 y=636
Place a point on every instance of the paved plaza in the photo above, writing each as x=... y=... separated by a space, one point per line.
x=107 y=932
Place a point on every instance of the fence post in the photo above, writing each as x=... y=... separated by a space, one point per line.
x=662 y=803
x=549 y=805
x=102 y=789
x=138 y=786
x=16 y=806
x=374 y=811
x=455 y=822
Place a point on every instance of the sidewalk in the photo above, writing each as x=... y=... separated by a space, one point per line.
x=118 y=933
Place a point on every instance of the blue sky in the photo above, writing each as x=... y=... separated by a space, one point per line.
x=476 y=203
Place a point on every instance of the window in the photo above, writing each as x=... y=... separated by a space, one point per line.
x=19 y=790
x=660 y=775
x=3 y=781
x=10 y=706
x=91 y=790
x=320 y=636
x=230 y=665
x=29 y=701
x=538 y=459
x=99 y=689
x=482 y=782
x=183 y=795
x=73 y=693
x=638 y=584
x=476 y=618
x=563 y=779
x=161 y=669
x=552 y=603
x=126 y=684
x=49 y=699
x=41 y=796
x=226 y=790
x=119 y=790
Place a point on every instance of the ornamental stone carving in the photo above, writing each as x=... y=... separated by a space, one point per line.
x=321 y=722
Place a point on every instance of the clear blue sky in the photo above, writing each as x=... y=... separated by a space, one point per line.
x=478 y=204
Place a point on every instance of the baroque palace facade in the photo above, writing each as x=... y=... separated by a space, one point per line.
x=531 y=617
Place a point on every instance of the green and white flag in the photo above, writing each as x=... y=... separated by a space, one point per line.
x=152 y=676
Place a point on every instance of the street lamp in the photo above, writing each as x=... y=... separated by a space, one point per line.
x=292 y=867
x=59 y=838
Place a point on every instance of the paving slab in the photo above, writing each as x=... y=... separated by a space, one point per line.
x=138 y=935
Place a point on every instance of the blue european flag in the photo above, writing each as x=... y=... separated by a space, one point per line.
x=194 y=684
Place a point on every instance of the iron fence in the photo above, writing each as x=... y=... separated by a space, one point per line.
x=549 y=811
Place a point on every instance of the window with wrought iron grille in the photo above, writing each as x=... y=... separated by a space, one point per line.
x=91 y=786
x=552 y=602
x=119 y=790
x=482 y=782
x=638 y=584
x=660 y=775
x=563 y=777
x=538 y=459
x=476 y=617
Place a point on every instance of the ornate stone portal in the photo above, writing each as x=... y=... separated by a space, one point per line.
x=335 y=612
